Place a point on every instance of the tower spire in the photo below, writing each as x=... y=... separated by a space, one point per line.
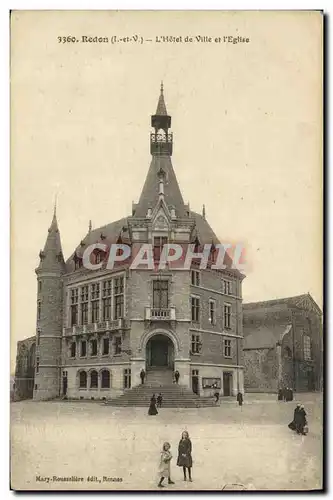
x=55 y=205
x=161 y=107
x=51 y=257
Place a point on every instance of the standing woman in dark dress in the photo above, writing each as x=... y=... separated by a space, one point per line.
x=301 y=421
x=185 y=455
x=240 y=398
x=152 y=408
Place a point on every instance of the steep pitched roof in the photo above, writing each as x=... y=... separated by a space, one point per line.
x=204 y=231
x=150 y=192
x=303 y=301
x=105 y=234
x=51 y=258
x=161 y=107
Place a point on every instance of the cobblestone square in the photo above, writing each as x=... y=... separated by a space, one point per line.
x=251 y=445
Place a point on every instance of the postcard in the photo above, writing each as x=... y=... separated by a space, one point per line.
x=166 y=250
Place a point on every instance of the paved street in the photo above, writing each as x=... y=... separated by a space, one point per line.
x=251 y=446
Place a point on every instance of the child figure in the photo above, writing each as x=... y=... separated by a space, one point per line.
x=164 y=468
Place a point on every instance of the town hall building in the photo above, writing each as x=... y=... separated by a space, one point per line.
x=98 y=329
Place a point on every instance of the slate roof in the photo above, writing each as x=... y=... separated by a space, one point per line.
x=107 y=234
x=161 y=107
x=289 y=301
x=51 y=258
x=150 y=191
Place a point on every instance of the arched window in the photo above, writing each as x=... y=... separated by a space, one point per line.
x=83 y=380
x=105 y=379
x=94 y=379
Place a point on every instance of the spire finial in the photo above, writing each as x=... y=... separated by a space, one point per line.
x=204 y=211
x=55 y=205
x=162 y=88
x=90 y=226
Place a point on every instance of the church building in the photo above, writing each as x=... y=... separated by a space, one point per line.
x=98 y=329
x=283 y=345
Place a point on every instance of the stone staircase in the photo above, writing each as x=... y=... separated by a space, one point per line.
x=160 y=381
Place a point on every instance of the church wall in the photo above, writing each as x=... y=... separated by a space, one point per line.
x=274 y=314
x=24 y=372
x=260 y=370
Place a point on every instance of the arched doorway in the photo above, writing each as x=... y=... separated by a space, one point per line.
x=160 y=352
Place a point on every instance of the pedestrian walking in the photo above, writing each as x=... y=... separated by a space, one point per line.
x=301 y=421
x=280 y=394
x=240 y=399
x=176 y=376
x=152 y=407
x=142 y=376
x=185 y=455
x=159 y=400
x=164 y=465
x=292 y=424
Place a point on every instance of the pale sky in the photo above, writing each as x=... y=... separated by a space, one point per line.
x=247 y=124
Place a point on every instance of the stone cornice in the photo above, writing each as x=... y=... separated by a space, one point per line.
x=211 y=290
x=223 y=334
x=218 y=365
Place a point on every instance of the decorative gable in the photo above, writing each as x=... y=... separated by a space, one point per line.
x=307 y=303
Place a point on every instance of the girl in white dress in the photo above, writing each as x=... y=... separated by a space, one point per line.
x=164 y=466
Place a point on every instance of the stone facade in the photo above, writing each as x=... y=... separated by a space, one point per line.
x=283 y=345
x=97 y=329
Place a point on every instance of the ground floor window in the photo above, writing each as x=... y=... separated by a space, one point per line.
x=94 y=379
x=209 y=383
x=105 y=379
x=83 y=380
x=127 y=378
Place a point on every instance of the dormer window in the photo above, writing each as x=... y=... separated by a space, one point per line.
x=78 y=264
x=99 y=256
x=77 y=261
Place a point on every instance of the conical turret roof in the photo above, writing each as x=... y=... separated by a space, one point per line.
x=51 y=257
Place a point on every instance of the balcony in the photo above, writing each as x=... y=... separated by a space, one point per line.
x=158 y=314
x=102 y=326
